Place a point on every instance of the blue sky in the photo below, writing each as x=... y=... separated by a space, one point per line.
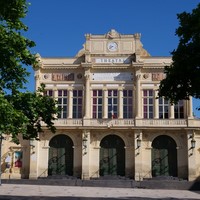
x=58 y=26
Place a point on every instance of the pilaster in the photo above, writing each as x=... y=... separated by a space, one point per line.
x=192 y=171
x=86 y=155
x=138 y=155
x=34 y=158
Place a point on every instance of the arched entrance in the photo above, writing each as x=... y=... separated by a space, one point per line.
x=60 y=156
x=112 y=156
x=164 y=156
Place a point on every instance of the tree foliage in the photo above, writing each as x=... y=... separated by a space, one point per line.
x=14 y=47
x=24 y=113
x=183 y=76
x=20 y=113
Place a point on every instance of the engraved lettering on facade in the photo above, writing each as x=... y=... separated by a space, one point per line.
x=112 y=60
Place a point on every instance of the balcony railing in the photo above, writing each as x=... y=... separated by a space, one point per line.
x=123 y=123
x=68 y=122
x=161 y=122
x=109 y=122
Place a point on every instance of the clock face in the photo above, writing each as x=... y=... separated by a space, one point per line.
x=112 y=46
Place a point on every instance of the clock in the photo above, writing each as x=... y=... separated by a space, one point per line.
x=112 y=46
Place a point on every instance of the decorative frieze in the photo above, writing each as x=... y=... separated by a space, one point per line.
x=62 y=76
x=158 y=76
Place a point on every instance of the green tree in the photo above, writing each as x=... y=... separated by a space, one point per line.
x=20 y=113
x=183 y=76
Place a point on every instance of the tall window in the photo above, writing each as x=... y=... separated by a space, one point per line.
x=127 y=104
x=147 y=104
x=163 y=108
x=62 y=103
x=48 y=93
x=112 y=103
x=179 y=110
x=97 y=105
x=77 y=103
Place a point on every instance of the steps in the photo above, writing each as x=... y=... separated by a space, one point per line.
x=116 y=183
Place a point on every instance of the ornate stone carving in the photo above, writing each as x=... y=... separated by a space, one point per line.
x=145 y=76
x=138 y=76
x=87 y=36
x=79 y=76
x=112 y=34
x=87 y=76
x=137 y=35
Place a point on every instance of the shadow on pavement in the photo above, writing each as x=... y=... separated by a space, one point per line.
x=195 y=186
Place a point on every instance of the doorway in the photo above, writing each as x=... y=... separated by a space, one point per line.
x=112 y=156
x=164 y=157
x=60 y=156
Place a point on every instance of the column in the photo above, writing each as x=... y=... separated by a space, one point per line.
x=70 y=103
x=34 y=159
x=86 y=155
x=105 y=103
x=171 y=111
x=120 y=108
x=138 y=97
x=138 y=155
x=87 y=95
x=55 y=93
x=190 y=109
x=156 y=105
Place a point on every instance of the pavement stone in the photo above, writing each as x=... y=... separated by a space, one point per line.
x=48 y=192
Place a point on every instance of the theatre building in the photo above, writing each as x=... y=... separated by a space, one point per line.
x=111 y=123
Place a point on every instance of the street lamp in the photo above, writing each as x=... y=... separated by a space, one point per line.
x=84 y=141
x=193 y=143
x=138 y=143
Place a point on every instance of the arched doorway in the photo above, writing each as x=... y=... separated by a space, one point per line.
x=60 y=156
x=112 y=156
x=164 y=156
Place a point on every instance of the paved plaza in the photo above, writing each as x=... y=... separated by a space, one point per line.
x=47 y=192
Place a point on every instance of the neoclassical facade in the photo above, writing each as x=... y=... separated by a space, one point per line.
x=111 y=121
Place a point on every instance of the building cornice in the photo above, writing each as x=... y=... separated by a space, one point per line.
x=60 y=67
